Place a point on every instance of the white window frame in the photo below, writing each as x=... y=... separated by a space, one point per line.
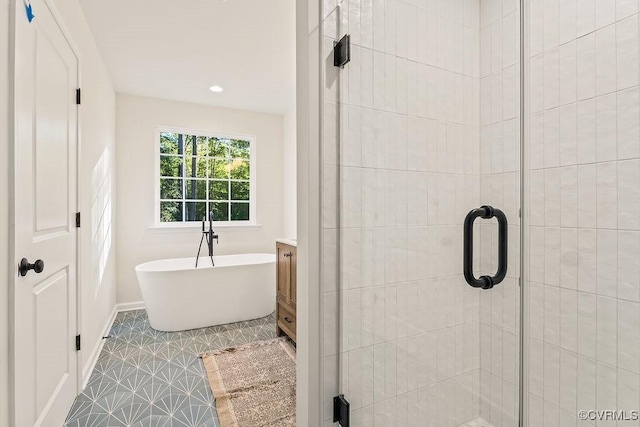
x=250 y=224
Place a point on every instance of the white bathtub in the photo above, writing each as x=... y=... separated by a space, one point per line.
x=178 y=296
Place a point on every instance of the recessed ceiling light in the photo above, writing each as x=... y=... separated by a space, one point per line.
x=216 y=89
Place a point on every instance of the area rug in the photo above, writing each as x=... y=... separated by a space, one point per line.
x=254 y=385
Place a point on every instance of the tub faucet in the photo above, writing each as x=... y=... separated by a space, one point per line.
x=209 y=235
x=210 y=238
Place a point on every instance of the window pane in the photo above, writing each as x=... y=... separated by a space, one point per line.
x=240 y=149
x=171 y=166
x=202 y=175
x=239 y=169
x=196 y=189
x=203 y=146
x=169 y=143
x=196 y=145
x=196 y=167
x=239 y=211
x=195 y=211
x=170 y=211
x=218 y=147
x=239 y=190
x=218 y=190
x=219 y=169
x=220 y=211
x=189 y=142
x=171 y=189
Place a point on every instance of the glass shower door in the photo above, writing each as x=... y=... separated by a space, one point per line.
x=419 y=129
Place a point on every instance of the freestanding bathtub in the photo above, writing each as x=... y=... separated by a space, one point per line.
x=178 y=296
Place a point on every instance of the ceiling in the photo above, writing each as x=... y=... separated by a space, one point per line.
x=176 y=49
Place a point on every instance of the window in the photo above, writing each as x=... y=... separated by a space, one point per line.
x=204 y=176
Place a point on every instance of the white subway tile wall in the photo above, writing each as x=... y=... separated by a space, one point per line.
x=584 y=189
x=421 y=127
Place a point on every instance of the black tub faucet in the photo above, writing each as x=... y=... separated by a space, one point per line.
x=209 y=235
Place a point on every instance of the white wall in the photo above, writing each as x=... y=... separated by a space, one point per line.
x=290 y=178
x=584 y=170
x=4 y=211
x=137 y=121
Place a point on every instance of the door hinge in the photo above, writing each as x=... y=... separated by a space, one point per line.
x=342 y=51
x=78 y=342
x=77 y=219
x=341 y=410
x=78 y=96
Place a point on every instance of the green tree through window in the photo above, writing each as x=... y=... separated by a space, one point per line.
x=204 y=177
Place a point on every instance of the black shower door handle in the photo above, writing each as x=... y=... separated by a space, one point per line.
x=485 y=282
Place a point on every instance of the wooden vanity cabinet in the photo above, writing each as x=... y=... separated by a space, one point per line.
x=286 y=290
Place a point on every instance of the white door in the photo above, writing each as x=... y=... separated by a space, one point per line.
x=45 y=357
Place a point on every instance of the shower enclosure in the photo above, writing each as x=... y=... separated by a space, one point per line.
x=531 y=108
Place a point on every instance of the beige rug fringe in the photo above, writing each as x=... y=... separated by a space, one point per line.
x=250 y=346
x=226 y=414
x=286 y=345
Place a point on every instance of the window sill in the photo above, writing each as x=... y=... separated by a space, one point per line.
x=197 y=226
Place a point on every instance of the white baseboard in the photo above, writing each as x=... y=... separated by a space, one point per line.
x=127 y=306
x=97 y=349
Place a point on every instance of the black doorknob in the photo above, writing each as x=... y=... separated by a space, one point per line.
x=24 y=266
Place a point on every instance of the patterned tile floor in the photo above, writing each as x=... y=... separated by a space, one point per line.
x=148 y=378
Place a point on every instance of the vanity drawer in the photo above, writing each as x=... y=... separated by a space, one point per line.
x=287 y=321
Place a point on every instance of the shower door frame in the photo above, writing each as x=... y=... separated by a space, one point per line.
x=523 y=280
x=309 y=378
x=309 y=96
